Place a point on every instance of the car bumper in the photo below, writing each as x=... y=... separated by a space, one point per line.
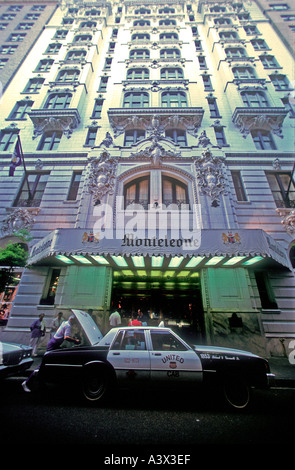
x=16 y=369
x=271 y=378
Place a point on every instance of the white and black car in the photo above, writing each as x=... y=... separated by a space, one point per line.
x=146 y=356
x=14 y=358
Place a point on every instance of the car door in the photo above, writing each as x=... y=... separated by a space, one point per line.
x=172 y=361
x=130 y=358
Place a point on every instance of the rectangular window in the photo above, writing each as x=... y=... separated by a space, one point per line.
x=96 y=113
x=238 y=185
x=220 y=137
x=214 y=112
x=32 y=196
x=265 y=291
x=263 y=140
x=283 y=188
x=50 y=140
x=74 y=187
x=91 y=136
x=7 y=140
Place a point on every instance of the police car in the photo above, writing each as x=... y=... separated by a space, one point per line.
x=146 y=356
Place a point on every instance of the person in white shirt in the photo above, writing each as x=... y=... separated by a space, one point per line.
x=115 y=319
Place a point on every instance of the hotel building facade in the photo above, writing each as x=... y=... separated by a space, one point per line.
x=158 y=141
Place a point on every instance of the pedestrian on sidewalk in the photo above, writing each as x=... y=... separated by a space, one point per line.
x=56 y=322
x=38 y=329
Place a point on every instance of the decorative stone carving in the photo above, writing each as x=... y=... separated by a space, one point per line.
x=204 y=140
x=107 y=141
x=102 y=176
x=18 y=219
x=269 y=119
x=210 y=176
x=65 y=120
x=189 y=119
x=288 y=216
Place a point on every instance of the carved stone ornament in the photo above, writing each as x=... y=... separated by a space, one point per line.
x=102 y=176
x=268 y=119
x=54 y=120
x=289 y=222
x=288 y=219
x=210 y=176
x=18 y=219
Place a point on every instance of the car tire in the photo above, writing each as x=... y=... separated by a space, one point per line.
x=236 y=391
x=95 y=385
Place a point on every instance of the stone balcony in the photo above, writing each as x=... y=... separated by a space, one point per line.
x=187 y=118
x=64 y=120
x=263 y=118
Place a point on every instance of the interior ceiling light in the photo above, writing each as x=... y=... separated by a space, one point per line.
x=252 y=260
x=120 y=261
x=64 y=259
x=175 y=262
x=214 y=260
x=157 y=261
x=234 y=260
x=194 y=261
x=81 y=259
x=138 y=261
x=99 y=259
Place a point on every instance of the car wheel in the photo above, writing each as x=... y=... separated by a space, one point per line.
x=236 y=391
x=95 y=385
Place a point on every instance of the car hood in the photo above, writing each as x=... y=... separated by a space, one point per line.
x=89 y=327
x=221 y=350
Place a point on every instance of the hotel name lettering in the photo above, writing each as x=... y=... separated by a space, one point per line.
x=130 y=240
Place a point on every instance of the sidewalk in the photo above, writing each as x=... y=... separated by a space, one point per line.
x=280 y=366
x=283 y=370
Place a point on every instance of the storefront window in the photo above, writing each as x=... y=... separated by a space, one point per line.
x=50 y=289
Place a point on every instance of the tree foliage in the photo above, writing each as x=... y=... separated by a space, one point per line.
x=13 y=255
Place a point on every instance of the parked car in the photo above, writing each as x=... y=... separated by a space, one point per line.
x=128 y=357
x=14 y=358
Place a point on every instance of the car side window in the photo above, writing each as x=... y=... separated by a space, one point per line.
x=165 y=341
x=132 y=340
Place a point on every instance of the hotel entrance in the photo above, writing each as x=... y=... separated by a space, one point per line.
x=174 y=299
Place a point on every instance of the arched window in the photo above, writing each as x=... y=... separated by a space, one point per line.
x=142 y=11
x=235 y=52
x=137 y=192
x=58 y=101
x=174 y=99
x=174 y=192
x=254 y=99
x=244 y=72
x=82 y=38
x=136 y=100
x=167 y=23
x=68 y=75
x=139 y=54
x=138 y=74
x=141 y=23
x=168 y=36
x=88 y=24
x=171 y=73
x=76 y=55
x=140 y=37
x=166 y=10
x=222 y=21
x=169 y=53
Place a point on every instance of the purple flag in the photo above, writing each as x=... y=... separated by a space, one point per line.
x=16 y=158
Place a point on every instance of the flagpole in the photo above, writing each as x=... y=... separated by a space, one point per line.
x=25 y=169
